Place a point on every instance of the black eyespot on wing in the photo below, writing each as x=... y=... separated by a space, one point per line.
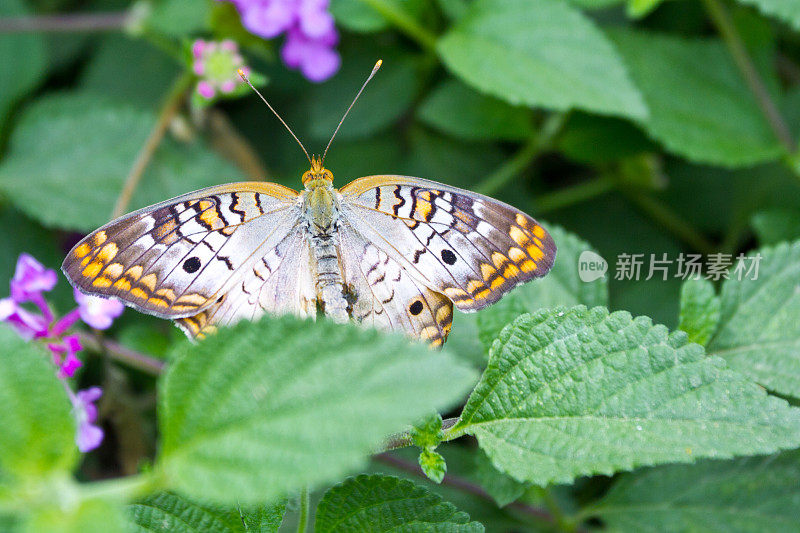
x=448 y=257
x=191 y=265
x=415 y=308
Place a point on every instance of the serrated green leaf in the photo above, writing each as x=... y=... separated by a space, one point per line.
x=88 y=516
x=460 y=464
x=751 y=494
x=70 y=155
x=561 y=287
x=759 y=327
x=699 y=310
x=433 y=465
x=245 y=414
x=572 y=392
x=544 y=53
x=700 y=108
x=384 y=503
x=166 y=511
x=19 y=72
x=786 y=10
x=428 y=433
x=501 y=487
x=773 y=226
x=38 y=436
x=455 y=109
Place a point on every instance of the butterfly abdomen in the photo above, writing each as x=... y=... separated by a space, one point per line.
x=321 y=212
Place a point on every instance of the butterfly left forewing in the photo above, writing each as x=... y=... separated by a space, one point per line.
x=177 y=258
x=472 y=248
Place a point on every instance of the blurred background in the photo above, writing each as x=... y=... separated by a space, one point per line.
x=638 y=126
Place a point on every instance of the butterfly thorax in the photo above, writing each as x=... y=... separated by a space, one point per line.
x=321 y=217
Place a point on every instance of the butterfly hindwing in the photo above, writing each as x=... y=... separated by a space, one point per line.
x=384 y=294
x=470 y=247
x=179 y=257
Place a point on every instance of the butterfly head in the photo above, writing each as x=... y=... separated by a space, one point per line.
x=317 y=175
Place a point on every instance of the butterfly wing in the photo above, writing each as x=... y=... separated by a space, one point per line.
x=467 y=246
x=196 y=255
x=387 y=296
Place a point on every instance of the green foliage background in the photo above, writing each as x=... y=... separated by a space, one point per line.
x=638 y=127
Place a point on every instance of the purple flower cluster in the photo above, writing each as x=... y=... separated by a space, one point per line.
x=310 y=32
x=31 y=280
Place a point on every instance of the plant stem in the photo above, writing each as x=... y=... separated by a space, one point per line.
x=464 y=486
x=573 y=194
x=541 y=141
x=726 y=28
x=404 y=22
x=564 y=523
x=77 y=22
x=670 y=220
x=168 y=111
x=302 y=521
x=145 y=363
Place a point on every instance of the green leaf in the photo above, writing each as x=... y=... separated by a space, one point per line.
x=571 y=392
x=433 y=465
x=640 y=8
x=775 y=225
x=88 y=516
x=145 y=86
x=595 y=139
x=561 y=287
x=501 y=487
x=38 y=436
x=748 y=494
x=786 y=10
x=700 y=108
x=179 y=18
x=544 y=53
x=170 y=512
x=245 y=413
x=19 y=72
x=70 y=155
x=390 y=94
x=759 y=327
x=428 y=434
x=699 y=310
x=385 y=503
x=455 y=109
x=357 y=16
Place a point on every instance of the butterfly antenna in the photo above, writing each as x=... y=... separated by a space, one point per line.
x=371 y=74
x=285 y=125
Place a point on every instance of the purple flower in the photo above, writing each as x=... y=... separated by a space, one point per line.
x=217 y=63
x=65 y=355
x=317 y=60
x=96 y=312
x=310 y=32
x=30 y=280
x=89 y=435
x=28 y=325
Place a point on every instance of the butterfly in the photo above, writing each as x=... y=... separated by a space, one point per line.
x=392 y=252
